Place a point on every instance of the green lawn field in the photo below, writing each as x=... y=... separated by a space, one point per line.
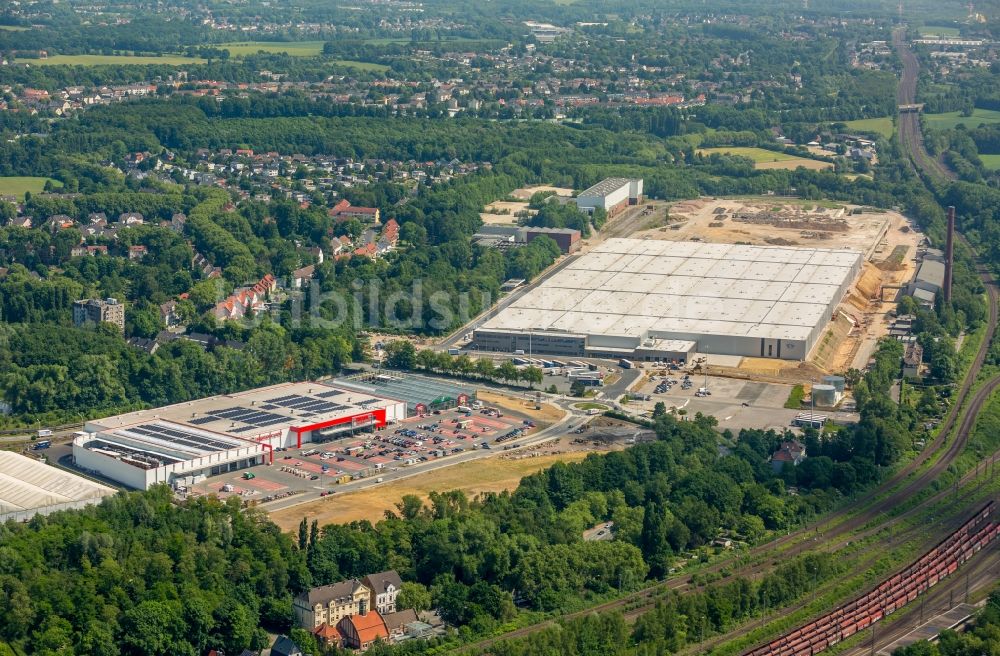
x=293 y=48
x=14 y=28
x=296 y=49
x=882 y=126
x=361 y=66
x=110 y=60
x=17 y=185
x=952 y=119
x=768 y=159
x=991 y=162
x=931 y=30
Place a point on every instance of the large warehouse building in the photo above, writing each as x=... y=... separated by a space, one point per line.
x=29 y=487
x=611 y=195
x=183 y=443
x=663 y=300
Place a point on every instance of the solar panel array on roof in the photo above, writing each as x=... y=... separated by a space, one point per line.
x=307 y=404
x=180 y=437
x=330 y=394
x=252 y=416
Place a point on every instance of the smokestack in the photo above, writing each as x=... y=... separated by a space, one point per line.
x=949 y=253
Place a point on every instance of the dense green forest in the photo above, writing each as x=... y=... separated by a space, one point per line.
x=141 y=575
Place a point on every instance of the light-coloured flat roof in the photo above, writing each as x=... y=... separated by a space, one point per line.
x=217 y=423
x=27 y=484
x=634 y=287
x=606 y=186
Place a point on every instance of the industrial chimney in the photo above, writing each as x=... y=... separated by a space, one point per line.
x=949 y=253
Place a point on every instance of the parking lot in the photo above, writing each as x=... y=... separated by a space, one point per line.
x=320 y=468
x=735 y=403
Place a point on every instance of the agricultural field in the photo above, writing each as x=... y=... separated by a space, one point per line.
x=992 y=162
x=769 y=159
x=111 y=60
x=17 y=185
x=14 y=28
x=950 y=120
x=882 y=126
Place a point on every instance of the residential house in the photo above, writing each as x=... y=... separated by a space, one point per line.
x=301 y=277
x=284 y=646
x=791 y=451
x=328 y=636
x=59 y=222
x=330 y=603
x=317 y=253
x=344 y=210
x=169 y=315
x=396 y=623
x=177 y=222
x=385 y=588
x=131 y=218
x=341 y=245
x=137 y=252
x=361 y=631
x=913 y=357
x=368 y=250
x=143 y=344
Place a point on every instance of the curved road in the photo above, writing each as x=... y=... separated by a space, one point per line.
x=887 y=496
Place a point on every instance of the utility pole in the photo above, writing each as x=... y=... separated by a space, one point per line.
x=873 y=640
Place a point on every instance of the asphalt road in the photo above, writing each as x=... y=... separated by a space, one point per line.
x=486 y=315
x=569 y=421
x=622 y=225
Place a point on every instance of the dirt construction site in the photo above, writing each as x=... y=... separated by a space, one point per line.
x=888 y=239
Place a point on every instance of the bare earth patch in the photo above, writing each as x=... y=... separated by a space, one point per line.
x=486 y=475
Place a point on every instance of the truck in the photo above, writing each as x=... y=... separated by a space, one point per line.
x=625 y=364
x=42 y=444
x=44 y=432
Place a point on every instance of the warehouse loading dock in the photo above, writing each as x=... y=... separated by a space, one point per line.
x=660 y=300
x=186 y=442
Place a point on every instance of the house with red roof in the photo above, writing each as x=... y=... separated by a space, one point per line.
x=328 y=636
x=790 y=451
x=344 y=210
x=245 y=299
x=361 y=631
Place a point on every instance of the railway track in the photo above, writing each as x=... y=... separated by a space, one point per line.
x=978 y=574
x=898 y=488
x=934 y=170
x=892 y=594
x=948 y=521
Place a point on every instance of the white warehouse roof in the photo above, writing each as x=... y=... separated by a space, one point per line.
x=680 y=290
x=29 y=485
